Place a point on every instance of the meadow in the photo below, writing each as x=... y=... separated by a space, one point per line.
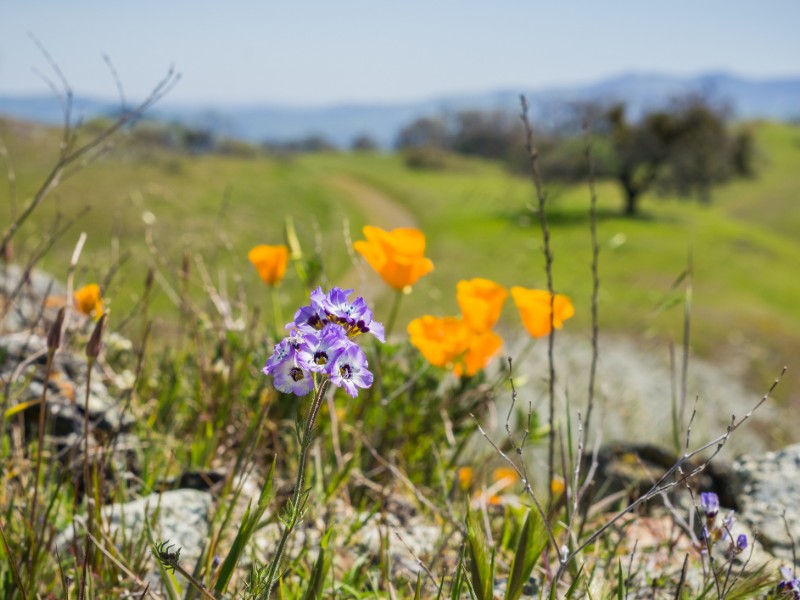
x=168 y=235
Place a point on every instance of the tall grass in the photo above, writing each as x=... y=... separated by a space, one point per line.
x=406 y=455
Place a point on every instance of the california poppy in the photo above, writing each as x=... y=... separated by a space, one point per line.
x=481 y=301
x=440 y=339
x=270 y=262
x=480 y=349
x=534 y=308
x=398 y=256
x=88 y=300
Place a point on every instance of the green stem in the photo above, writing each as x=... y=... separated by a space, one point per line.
x=295 y=513
x=277 y=313
x=393 y=313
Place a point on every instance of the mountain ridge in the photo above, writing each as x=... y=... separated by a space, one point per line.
x=774 y=98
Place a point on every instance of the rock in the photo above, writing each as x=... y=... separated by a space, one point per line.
x=179 y=516
x=66 y=388
x=767 y=486
x=30 y=296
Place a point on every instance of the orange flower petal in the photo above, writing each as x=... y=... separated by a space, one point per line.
x=270 y=262
x=88 y=300
x=397 y=255
x=534 y=308
x=481 y=302
x=440 y=339
x=482 y=347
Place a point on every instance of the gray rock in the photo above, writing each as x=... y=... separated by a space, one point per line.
x=26 y=356
x=766 y=487
x=29 y=296
x=180 y=517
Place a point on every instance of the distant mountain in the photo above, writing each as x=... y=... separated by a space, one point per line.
x=777 y=99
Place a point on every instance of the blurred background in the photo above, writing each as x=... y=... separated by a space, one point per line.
x=407 y=114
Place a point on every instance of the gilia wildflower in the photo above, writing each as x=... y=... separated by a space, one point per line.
x=349 y=370
x=320 y=345
x=270 y=262
x=534 y=308
x=481 y=301
x=88 y=300
x=398 y=256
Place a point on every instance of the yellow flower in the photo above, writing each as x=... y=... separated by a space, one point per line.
x=465 y=477
x=270 y=262
x=481 y=348
x=398 y=256
x=534 y=308
x=481 y=302
x=505 y=476
x=88 y=300
x=557 y=486
x=441 y=340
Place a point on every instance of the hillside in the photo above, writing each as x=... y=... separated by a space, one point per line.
x=746 y=293
x=775 y=99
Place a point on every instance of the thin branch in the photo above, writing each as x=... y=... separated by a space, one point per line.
x=533 y=156
x=594 y=268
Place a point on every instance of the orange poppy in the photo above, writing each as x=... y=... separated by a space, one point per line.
x=270 y=262
x=482 y=347
x=440 y=339
x=88 y=300
x=534 y=308
x=505 y=475
x=398 y=256
x=481 y=302
x=465 y=477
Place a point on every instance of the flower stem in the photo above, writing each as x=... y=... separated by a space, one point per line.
x=393 y=313
x=277 y=314
x=294 y=504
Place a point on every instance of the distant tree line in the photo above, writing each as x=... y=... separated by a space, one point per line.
x=685 y=149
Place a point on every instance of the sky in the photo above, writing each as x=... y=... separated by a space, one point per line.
x=315 y=52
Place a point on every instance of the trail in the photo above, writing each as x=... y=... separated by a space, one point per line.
x=380 y=210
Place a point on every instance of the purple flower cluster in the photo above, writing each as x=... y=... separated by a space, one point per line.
x=320 y=341
x=789 y=585
x=712 y=532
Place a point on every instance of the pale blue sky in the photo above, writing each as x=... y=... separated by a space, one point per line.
x=320 y=52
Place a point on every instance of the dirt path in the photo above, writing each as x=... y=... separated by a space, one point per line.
x=381 y=210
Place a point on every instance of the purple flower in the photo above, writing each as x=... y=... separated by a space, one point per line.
x=349 y=370
x=290 y=377
x=319 y=349
x=355 y=317
x=741 y=542
x=709 y=503
x=284 y=349
x=789 y=583
x=311 y=317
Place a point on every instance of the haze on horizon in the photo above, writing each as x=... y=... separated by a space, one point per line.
x=316 y=53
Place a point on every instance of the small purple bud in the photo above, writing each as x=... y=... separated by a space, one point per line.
x=741 y=542
x=709 y=503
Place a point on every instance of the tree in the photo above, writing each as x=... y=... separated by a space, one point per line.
x=363 y=143
x=424 y=132
x=686 y=149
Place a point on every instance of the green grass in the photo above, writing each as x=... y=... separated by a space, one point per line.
x=477 y=221
x=200 y=401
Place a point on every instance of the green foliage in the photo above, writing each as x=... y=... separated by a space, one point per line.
x=246 y=530
x=481 y=558
x=532 y=542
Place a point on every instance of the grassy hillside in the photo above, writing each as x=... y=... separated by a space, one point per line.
x=478 y=223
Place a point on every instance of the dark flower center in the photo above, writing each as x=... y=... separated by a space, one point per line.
x=345 y=371
x=321 y=357
x=296 y=374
